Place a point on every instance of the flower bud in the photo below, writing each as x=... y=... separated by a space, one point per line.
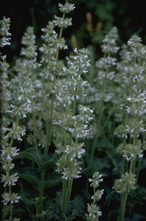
x=89 y=21
x=98 y=27
x=73 y=41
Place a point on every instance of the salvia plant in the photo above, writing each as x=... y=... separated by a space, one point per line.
x=58 y=116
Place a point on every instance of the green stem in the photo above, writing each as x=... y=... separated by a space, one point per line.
x=93 y=148
x=126 y=166
x=123 y=205
x=107 y=119
x=138 y=169
x=10 y=191
x=41 y=192
x=143 y=139
x=64 y=186
x=132 y=170
x=131 y=166
x=12 y=139
x=123 y=166
x=94 y=197
x=69 y=189
x=114 y=122
x=11 y=206
x=66 y=193
x=48 y=138
x=131 y=205
x=74 y=107
x=34 y=136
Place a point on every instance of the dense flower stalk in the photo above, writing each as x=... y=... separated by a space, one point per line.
x=133 y=104
x=92 y=208
x=8 y=152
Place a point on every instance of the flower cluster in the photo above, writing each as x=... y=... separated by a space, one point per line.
x=66 y=8
x=12 y=198
x=106 y=67
x=77 y=127
x=137 y=105
x=131 y=75
x=109 y=43
x=129 y=151
x=96 y=179
x=8 y=152
x=94 y=213
x=29 y=41
x=4 y=30
x=61 y=22
x=69 y=168
x=131 y=102
x=126 y=183
x=81 y=121
x=93 y=209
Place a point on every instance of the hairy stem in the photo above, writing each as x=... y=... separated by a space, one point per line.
x=41 y=192
x=64 y=186
x=93 y=148
x=69 y=189
x=34 y=136
x=123 y=205
x=11 y=206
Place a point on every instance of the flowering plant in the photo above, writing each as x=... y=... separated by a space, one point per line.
x=65 y=119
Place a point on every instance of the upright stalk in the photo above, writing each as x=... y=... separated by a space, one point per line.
x=99 y=118
x=67 y=184
x=64 y=193
x=34 y=136
x=49 y=122
x=93 y=148
x=11 y=206
x=49 y=129
x=123 y=205
x=132 y=170
x=8 y=173
x=41 y=192
x=123 y=197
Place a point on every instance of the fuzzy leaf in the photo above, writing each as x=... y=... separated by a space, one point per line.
x=112 y=215
x=47 y=165
x=30 y=154
x=50 y=214
x=88 y=171
x=30 y=175
x=79 y=207
x=53 y=180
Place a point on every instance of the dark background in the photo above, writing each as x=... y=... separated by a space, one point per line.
x=127 y=15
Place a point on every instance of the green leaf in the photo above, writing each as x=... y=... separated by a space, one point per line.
x=29 y=174
x=138 y=217
x=50 y=214
x=78 y=205
x=43 y=214
x=30 y=178
x=88 y=171
x=47 y=165
x=111 y=158
x=53 y=180
x=112 y=215
x=31 y=155
x=19 y=211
